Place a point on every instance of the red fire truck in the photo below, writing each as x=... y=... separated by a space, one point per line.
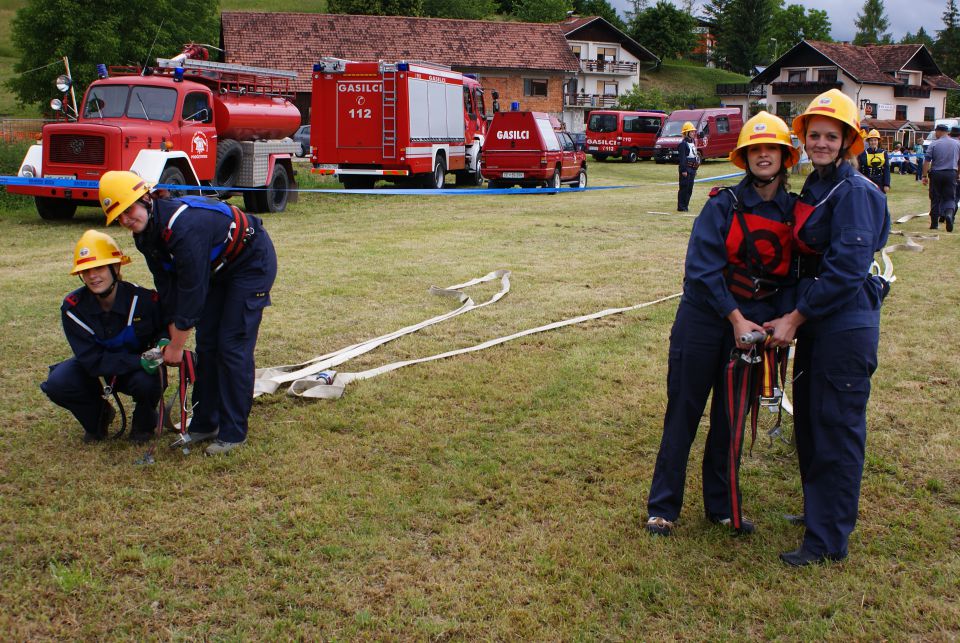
x=403 y=122
x=187 y=121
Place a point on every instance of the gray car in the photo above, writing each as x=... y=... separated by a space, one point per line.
x=302 y=136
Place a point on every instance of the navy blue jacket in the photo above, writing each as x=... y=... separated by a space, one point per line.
x=879 y=174
x=704 y=283
x=848 y=228
x=82 y=308
x=181 y=263
x=688 y=156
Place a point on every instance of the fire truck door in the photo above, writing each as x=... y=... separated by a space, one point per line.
x=198 y=133
x=359 y=114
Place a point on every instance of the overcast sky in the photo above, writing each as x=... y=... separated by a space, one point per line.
x=904 y=15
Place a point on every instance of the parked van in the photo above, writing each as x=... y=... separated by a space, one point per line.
x=524 y=148
x=717 y=132
x=626 y=135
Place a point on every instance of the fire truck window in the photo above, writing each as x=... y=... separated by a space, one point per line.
x=468 y=102
x=723 y=125
x=106 y=101
x=152 y=103
x=548 y=134
x=602 y=123
x=196 y=108
x=478 y=101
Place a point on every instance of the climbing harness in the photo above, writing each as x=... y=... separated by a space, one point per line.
x=188 y=375
x=239 y=235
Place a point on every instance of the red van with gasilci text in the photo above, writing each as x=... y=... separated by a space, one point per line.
x=627 y=135
x=718 y=129
x=523 y=148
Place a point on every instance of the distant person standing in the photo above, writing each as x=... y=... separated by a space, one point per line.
x=940 y=173
x=919 y=153
x=875 y=162
x=689 y=162
x=955 y=135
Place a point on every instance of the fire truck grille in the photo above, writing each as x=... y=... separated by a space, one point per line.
x=77 y=148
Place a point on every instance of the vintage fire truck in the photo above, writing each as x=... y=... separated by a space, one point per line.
x=187 y=121
x=405 y=122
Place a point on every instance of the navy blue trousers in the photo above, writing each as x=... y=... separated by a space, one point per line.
x=831 y=388
x=226 y=339
x=686 y=189
x=700 y=345
x=69 y=385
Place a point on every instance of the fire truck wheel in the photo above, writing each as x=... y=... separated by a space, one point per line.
x=469 y=179
x=273 y=198
x=173 y=176
x=436 y=180
x=630 y=156
x=582 y=178
x=229 y=158
x=55 y=209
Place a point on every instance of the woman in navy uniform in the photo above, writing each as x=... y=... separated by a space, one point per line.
x=875 y=162
x=688 y=162
x=841 y=221
x=108 y=323
x=736 y=275
x=213 y=266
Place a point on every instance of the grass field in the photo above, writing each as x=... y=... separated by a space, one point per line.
x=495 y=496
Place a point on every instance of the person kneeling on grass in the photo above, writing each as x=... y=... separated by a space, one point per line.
x=108 y=323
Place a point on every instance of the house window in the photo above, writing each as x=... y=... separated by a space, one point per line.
x=606 y=53
x=576 y=49
x=723 y=125
x=607 y=88
x=903 y=77
x=783 y=110
x=534 y=86
x=796 y=75
x=901 y=112
x=929 y=114
x=827 y=75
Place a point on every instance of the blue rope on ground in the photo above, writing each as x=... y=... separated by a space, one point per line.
x=93 y=185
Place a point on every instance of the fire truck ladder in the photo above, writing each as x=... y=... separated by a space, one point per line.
x=389 y=95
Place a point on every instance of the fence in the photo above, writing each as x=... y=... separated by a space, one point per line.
x=21 y=129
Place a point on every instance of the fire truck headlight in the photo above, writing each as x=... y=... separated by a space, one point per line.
x=56 y=104
x=28 y=172
x=63 y=83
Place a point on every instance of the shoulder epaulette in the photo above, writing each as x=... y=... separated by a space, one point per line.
x=71 y=300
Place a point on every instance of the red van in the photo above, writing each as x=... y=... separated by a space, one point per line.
x=626 y=135
x=717 y=131
x=523 y=148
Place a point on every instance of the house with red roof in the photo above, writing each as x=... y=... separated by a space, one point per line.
x=527 y=63
x=898 y=87
x=610 y=66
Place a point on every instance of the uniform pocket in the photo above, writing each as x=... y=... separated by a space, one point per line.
x=845 y=399
x=855 y=237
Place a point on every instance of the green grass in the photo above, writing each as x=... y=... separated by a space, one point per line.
x=497 y=495
x=682 y=76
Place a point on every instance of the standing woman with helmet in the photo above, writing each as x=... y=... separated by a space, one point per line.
x=737 y=265
x=108 y=323
x=875 y=162
x=841 y=221
x=213 y=266
x=688 y=164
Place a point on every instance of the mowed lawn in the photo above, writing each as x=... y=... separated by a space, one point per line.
x=498 y=495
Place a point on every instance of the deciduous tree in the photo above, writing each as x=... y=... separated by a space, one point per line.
x=377 y=7
x=665 y=30
x=947 y=48
x=472 y=10
x=600 y=8
x=541 y=10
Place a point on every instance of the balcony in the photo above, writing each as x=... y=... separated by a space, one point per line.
x=741 y=89
x=589 y=100
x=608 y=67
x=811 y=87
x=911 y=91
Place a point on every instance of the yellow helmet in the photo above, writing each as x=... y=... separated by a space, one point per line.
x=687 y=127
x=119 y=190
x=96 y=249
x=872 y=134
x=832 y=104
x=764 y=128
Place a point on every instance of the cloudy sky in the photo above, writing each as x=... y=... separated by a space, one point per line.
x=904 y=15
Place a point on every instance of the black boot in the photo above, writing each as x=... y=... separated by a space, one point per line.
x=106 y=419
x=747 y=527
x=801 y=558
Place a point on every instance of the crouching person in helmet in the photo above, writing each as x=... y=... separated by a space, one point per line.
x=108 y=323
x=213 y=266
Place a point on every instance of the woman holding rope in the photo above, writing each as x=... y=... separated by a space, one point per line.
x=737 y=267
x=841 y=221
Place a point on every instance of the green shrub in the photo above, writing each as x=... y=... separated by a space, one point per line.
x=11 y=156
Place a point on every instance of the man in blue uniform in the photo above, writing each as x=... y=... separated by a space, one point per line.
x=213 y=266
x=108 y=323
x=689 y=162
x=940 y=173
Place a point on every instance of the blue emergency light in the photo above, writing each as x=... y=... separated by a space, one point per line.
x=403 y=66
x=102 y=71
x=515 y=106
x=317 y=66
x=178 y=75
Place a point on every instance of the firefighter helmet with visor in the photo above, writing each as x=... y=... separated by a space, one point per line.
x=764 y=128
x=119 y=190
x=96 y=249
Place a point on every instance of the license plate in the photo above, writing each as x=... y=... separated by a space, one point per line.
x=325 y=166
x=69 y=177
x=513 y=175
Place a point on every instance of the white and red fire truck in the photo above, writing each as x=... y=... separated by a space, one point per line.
x=405 y=122
x=187 y=121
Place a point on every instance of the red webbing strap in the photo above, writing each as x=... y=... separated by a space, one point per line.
x=236 y=242
x=738 y=385
x=188 y=375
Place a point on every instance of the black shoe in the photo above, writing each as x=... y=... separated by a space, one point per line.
x=103 y=424
x=747 y=527
x=91 y=438
x=801 y=558
x=657 y=526
x=797 y=520
x=949 y=224
x=933 y=227
x=683 y=209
